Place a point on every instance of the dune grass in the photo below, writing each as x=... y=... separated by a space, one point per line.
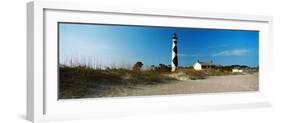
x=82 y=81
x=203 y=74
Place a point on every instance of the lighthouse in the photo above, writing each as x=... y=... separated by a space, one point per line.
x=174 y=63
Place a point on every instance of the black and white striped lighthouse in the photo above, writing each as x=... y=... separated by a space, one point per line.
x=174 y=63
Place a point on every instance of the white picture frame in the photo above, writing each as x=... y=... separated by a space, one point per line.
x=42 y=103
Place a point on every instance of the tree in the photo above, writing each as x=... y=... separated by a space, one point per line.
x=152 y=67
x=137 y=66
x=164 y=68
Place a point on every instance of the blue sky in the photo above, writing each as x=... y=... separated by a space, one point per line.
x=122 y=45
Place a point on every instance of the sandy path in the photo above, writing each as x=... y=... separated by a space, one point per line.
x=231 y=83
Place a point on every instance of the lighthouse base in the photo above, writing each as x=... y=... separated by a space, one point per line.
x=173 y=69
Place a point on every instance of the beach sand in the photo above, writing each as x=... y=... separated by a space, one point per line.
x=229 y=83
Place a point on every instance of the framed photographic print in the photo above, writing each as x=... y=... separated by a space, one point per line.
x=93 y=61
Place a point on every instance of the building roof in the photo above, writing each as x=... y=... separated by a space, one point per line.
x=210 y=63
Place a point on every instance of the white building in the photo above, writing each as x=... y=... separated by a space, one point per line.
x=236 y=70
x=203 y=65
